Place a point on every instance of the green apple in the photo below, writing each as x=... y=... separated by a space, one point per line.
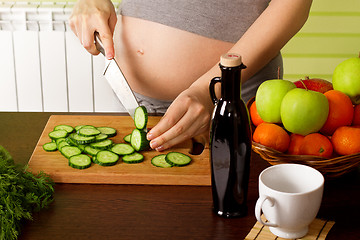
x=269 y=96
x=304 y=111
x=346 y=78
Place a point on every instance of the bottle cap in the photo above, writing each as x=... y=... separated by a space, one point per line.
x=230 y=60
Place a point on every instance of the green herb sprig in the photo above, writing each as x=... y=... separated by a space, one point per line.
x=21 y=193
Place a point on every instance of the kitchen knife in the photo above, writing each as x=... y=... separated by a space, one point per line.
x=117 y=81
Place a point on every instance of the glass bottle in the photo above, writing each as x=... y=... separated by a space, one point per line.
x=230 y=141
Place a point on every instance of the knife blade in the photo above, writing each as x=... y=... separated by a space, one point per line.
x=117 y=81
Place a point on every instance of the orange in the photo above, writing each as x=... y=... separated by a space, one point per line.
x=356 y=119
x=341 y=111
x=272 y=135
x=316 y=144
x=254 y=115
x=295 y=143
x=346 y=140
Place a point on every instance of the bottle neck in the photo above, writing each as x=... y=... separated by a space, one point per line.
x=231 y=82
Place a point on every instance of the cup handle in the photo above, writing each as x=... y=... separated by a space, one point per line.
x=258 y=210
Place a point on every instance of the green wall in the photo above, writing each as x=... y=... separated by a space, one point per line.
x=331 y=35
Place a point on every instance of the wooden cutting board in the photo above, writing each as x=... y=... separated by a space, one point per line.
x=56 y=165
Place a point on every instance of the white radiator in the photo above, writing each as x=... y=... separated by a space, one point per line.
x=43 y=67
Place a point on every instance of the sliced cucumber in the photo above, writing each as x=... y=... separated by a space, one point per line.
x=105 y=144
x=177 y=159
x=91 y=151
x=50 y=146
x=140 y=117
x=81 y=139
x=65 y=127
x=88 y=132
x=80 y=161
x=106 y=158
x=109 y=131
x=100 y=137
x=122 y=149
x=69 y=151
x=62 y=144
x=133 y=158
x=56 y=134
x=159 y=161
x=59 y=140
x=138 y=140
x=127 y=138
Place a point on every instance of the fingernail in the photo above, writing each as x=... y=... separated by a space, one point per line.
x=153 y=145
x=149 y=136
x=159 y=149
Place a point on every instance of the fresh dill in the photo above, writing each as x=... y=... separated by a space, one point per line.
x=21 y=194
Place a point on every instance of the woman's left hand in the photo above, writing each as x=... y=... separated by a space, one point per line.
x=188 y=116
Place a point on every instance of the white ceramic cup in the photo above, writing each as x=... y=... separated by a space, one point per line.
x=290 y=197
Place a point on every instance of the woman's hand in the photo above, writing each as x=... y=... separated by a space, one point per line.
x=89 y=16
x=188 y=116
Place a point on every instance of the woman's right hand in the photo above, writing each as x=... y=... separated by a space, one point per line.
x=90 y=16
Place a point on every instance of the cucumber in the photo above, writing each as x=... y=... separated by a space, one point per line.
x=59 y=140
x=62 y=144
x=133 y=158
x=109 y=131
x=127 y=138
x=91 y=151
x=140 y=117
x=69 y=151
x=159 y=161
x=102 y=145
x=177 y=159
x=80 y=161
x=106 y=158
x=88 y=132
x=138 y=140
x=122 y=149
x=81 y=139
x=100 y=137
x=56 y=134
x=65 y=127
x=50 y=146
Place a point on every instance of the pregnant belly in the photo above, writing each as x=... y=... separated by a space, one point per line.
x=161 y=61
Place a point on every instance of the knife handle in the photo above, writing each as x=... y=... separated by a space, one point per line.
x=98 y=43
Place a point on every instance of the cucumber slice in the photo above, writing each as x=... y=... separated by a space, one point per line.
x=65 y=127
x=59 y=140
x=56 y=134
x=106 y=158
x=50 y=146
x=122 y=149
x=88 y=132
x=140 y=117
x=159 y=161
x=138 y=140
x=62 y=144
x=100 y=137
x=109 y=131
x=105 y=144
x=177 y=159
x=91 y=151
x=69 y=151
x=133 y=158
x=81 y=139
x=127 y=138
x=80 y=161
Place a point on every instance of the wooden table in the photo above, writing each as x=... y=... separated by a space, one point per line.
x=85 y=211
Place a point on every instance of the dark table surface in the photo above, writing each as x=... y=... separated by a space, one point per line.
x=85 y=211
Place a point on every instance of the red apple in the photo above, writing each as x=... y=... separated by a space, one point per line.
x=314 y=84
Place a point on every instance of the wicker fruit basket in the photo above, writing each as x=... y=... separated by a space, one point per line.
x=330 y=168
